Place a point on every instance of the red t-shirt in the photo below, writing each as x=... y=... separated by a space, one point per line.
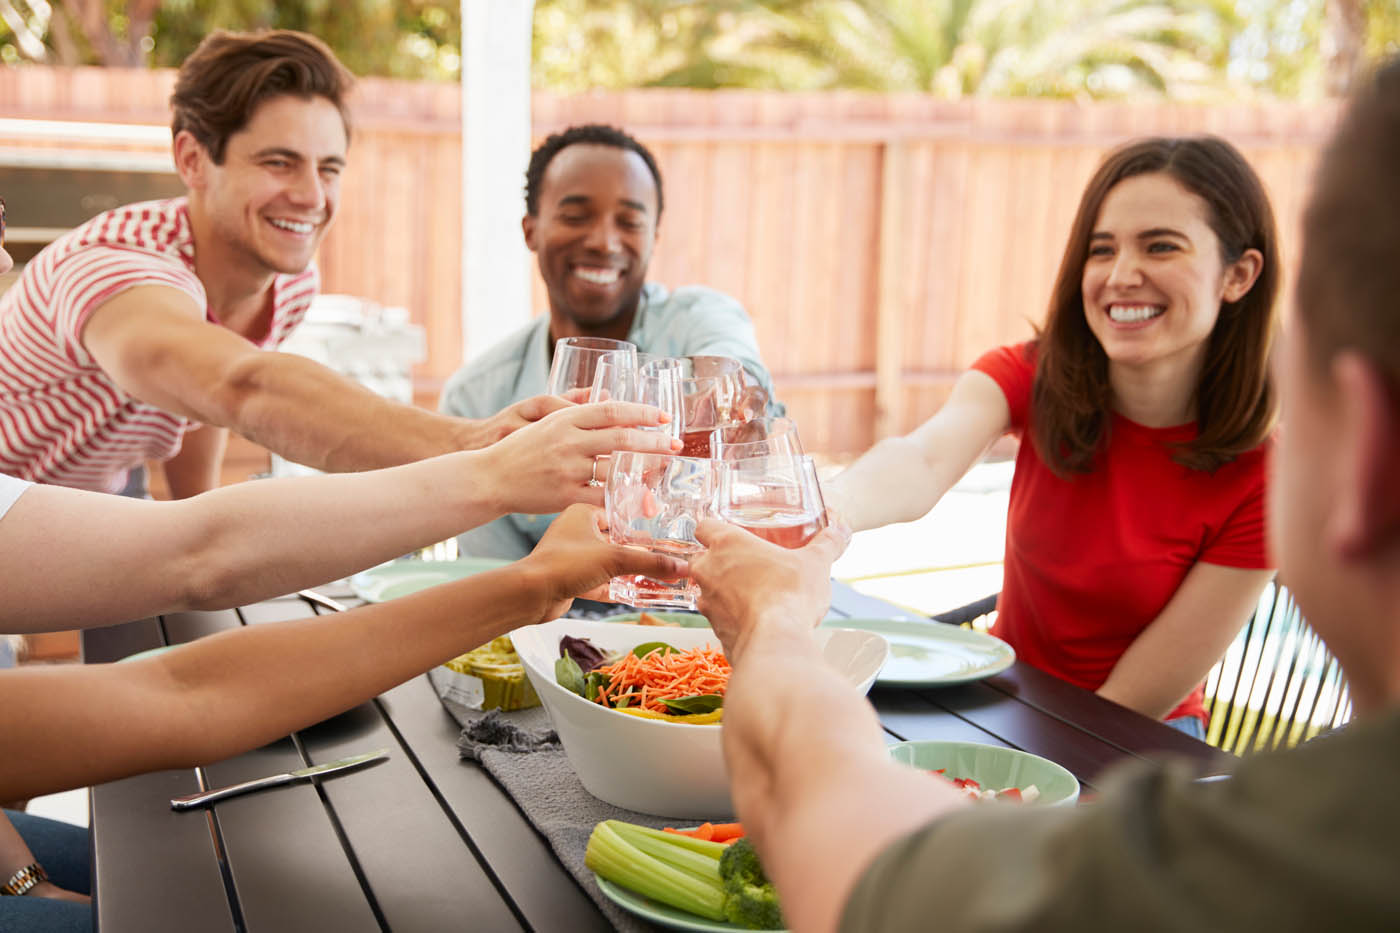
x=1092 y=560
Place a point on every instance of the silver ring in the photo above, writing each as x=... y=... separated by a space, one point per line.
x=593 y=473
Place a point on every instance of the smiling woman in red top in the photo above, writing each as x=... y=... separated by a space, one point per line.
x=1135 y=543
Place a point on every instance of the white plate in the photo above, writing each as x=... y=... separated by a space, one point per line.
x=932 y=654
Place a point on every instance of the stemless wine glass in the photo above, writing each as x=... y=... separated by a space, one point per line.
x=576 y=359
x=614 y=379
x=656 y=383
x=655 y=502
x=776 y=497
x=713 y=386
x=759 y=437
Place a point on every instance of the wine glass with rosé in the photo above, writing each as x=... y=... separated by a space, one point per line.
x=575 y=363
x=776 y=497
x=758 y=437
x=655 y=502
x=713 y=387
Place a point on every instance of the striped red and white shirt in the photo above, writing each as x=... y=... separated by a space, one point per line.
x=62 y=419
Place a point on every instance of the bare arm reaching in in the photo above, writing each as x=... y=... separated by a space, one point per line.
x=79 y=558
x=924 y=464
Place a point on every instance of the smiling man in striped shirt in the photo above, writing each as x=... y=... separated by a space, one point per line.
x=151 y=330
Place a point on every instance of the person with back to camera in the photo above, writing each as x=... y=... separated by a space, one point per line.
x=1135 y=545
x=593 y=203
x=1296 y=840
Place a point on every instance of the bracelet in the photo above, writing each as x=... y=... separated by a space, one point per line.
x=22 y=881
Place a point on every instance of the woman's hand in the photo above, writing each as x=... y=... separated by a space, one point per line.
x=746 y=581
x=576 y=559
x=547 y=466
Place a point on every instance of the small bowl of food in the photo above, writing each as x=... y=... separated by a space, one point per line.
x=992 y=772
x=640 y=721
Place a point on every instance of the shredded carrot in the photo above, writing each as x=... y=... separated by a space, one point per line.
x=664 y=675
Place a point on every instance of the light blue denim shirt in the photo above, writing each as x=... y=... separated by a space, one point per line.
x=691 y=321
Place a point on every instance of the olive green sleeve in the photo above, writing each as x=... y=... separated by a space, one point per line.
x=1297 y=840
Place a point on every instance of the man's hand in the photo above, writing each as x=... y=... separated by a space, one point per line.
x=508 y=420
x=744 y=579
x=546 y=466
x=576 y=559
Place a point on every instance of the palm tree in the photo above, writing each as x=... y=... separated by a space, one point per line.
x=959 y=48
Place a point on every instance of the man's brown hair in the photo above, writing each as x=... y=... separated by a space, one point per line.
x=1236 y=402
x=1349 y=278
x=231 y=74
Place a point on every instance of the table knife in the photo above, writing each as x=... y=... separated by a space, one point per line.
x=191 y=801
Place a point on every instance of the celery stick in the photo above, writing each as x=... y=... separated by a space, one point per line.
x=671 y=853
x=704 y=846
x=613 y=858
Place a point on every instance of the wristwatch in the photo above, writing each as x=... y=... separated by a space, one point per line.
x=23 y=880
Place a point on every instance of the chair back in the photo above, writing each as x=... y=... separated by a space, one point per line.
x=1277 y=684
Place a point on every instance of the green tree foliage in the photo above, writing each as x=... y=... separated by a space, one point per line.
x=952 y=48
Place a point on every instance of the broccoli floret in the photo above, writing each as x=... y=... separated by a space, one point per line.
x=753 y=907
x=749 y=898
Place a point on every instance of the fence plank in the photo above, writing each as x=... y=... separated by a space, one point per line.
x=867 y=274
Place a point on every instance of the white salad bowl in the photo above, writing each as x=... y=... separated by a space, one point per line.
x=648 y=765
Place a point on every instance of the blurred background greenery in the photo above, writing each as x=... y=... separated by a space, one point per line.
x=1181 y=49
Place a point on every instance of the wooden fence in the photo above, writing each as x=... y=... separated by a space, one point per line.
x=880 y=242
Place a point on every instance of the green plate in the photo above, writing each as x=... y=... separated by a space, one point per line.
x=992 y=766
x=931 y=654
x=658 y=913
x=683 y=619
x=390 y=581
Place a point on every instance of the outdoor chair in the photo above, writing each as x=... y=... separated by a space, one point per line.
x=978 y=614
x=1276 y=685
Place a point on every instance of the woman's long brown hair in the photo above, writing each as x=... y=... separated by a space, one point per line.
x=1236 y=403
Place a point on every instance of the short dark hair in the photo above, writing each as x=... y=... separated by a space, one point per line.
x=595 y=134
x=1236 y=401
x=231 y=74
x=1348 y=276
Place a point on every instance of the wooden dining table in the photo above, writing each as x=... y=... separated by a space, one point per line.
x=425 y=841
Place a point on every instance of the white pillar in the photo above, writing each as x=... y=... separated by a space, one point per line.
x=496 y=38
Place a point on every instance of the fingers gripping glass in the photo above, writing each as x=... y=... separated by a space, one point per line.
x=656 y=381
x=654 y=502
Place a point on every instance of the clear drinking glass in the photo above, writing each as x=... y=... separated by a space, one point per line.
x=759 y=437
x=777 y=498
x=659 y=385
x=713 y=387
x=576 y=359
x=654 y=502
x=657 y=382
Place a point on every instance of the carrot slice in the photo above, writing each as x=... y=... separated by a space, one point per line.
x=726 y=832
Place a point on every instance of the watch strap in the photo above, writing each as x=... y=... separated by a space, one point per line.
x=22 y=881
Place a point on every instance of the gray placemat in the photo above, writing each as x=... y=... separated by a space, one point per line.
x=521 y=751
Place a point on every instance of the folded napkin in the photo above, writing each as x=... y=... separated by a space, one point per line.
x=521 y=751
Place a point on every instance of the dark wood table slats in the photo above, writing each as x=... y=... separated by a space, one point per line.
x=427 y=842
